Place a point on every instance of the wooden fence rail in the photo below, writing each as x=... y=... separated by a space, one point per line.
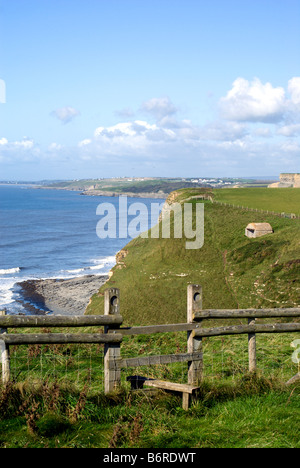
x=247 y=208
x=30 y=321
x=112 y=337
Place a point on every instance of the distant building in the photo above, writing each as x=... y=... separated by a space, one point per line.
x=254 y=230
x=287 y=180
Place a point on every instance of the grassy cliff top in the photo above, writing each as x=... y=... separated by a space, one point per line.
x=280 y=200
x=235 y=272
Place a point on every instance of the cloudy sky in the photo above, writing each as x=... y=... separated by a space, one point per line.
x=191 y=88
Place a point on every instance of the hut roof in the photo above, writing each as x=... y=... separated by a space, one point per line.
x=260 y=226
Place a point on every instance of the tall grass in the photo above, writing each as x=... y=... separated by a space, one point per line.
x=255 y=412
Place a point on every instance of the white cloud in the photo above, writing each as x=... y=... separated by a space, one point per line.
x=294 y=89
x=124 y=130
x=65 y=114
x=125 y=113
x=26 y=143
x=159 y=107
x=255 y=130
x=289 y=130
x=253 y=102
x=55 y=147
x=223 y=131
x=264 y=132
x=85 y=142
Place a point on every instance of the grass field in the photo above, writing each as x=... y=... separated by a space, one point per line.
x=279 y=200
x=63 y=404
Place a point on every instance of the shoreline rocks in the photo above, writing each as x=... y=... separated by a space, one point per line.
x=60 y=297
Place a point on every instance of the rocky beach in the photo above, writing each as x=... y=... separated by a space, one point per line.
x=60 y=297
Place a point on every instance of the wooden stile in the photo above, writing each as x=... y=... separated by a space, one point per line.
x=187 y=391
x=161 y=359
x=113 y=334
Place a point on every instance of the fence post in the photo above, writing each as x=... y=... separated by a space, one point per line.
x=194 y=343
x=112 y=351
x=4 y=355
x=252 y=348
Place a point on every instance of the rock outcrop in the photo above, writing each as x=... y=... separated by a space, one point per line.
x=287 y=180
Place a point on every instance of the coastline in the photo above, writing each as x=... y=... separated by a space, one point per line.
x=60 y=296
x=102 y=193
x=105 y=193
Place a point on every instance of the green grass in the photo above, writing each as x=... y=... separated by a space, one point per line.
x=278 y=200
x=253 y=413
x=57 y=398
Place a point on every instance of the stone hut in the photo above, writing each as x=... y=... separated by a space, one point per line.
x=254 y=230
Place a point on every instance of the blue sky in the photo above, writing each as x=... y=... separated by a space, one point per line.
x=103 y=88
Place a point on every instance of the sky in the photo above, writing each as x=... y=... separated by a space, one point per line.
x=160 y=88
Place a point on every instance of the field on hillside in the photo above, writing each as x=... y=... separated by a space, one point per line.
x=279 y=200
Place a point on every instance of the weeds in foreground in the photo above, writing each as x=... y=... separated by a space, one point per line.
x=224 y=415
x=129 y=431
x=75 y=413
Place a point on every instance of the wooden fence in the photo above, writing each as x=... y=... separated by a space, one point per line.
x=113 y=335
x=246 y=208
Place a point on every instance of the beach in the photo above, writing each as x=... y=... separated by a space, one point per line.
x=60 y=297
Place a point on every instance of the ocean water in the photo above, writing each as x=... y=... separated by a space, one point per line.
x=52 y=234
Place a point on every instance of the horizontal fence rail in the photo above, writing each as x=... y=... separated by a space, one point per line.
x=60 y=338
x=246 y=329
x=166 y=328
x=17 y=321
x=160 y=359
x=246 y=313
x=113 y=333
x=246 y=208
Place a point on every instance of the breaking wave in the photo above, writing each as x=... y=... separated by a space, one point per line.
x=10 y=271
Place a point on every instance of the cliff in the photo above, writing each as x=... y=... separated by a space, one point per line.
x=287 y=180
x=104 y=193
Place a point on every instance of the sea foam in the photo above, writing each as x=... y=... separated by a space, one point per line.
x=10 y=271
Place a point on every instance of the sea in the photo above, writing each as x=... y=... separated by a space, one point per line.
x=46 y=233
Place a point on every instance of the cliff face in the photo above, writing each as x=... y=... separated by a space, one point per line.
x=287 y=180
x=293 y=180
